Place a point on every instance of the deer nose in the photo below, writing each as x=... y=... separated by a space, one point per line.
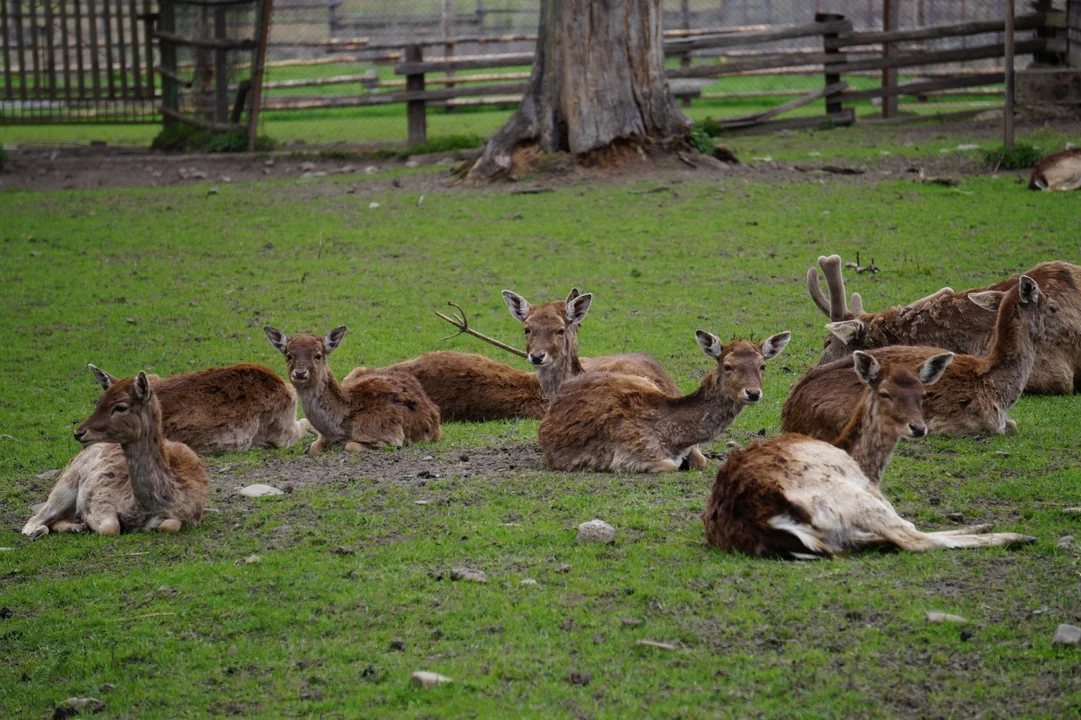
x=80 y=434
x=752 y=395
x=537 y=358
x=300 y=374
x=917 y=430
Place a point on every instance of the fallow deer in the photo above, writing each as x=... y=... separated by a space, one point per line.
x=1057 y=171
x=611 y=422
x=375 y=410
x=963 y=322
x=971 y=399
x=129 y=476
x=226 y=409
x=797 y=497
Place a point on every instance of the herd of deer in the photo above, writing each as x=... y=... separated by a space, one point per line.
x=951 y=363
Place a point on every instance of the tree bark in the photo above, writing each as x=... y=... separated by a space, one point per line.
x=598 y=83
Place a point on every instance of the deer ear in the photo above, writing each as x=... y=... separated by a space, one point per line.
x=104 y=379
x=333 y=339
x=578 y=307
x=773 y=346
x=572 y=294
x=931 y=370
x=710 y=344
x=867 y=366
x=517 y=305
x=276 y=337
x=1029 y=289
x=142 y=387
x=846 y=330
x=988 y=299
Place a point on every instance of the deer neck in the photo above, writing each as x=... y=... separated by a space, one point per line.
x=867 y=441
x=1012 y=357
x=700 y=416
x=552 y=376
x=151 y=482
x=325 y=404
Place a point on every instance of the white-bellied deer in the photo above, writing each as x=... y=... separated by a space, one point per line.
x=797 y=497
x=130 y=477
x=226 y=409
x=971 y=399
x=611 y=422
x=374 y=410
x=963 y=322
x=1057 y=171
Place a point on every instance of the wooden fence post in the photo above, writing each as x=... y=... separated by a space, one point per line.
x=891 y=19
x=833 y=102
x=1007 y=110
x=169 y=94
x=685 y=23
x=416 y=112
x=266 y=8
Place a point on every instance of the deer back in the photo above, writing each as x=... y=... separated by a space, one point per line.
x=377 y=401
x=641 y=365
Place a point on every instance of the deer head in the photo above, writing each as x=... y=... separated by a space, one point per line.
x=306 y=355
x=125 y=412
x=896 y=393
x=740 y=364
x=551 y=329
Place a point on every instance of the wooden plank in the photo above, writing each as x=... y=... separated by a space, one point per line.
x=35 y=44
x=464 y=62
x=771 y=62
x=107 y=25
x=170 y=99
x=416 y=113
x=938 y=32
x=136 y=65
x=78 y=8
x=121 y=49
x=202 y=124
x=8 y=91
x=842 y=119
x=676 y=47
x=206 y=43
x=20 y=45
x=799 y=102
x=148 y=46
x=891 y=19
x=65 y=41
x=221 y=68
x=266 y=10
x=92 y=23
x=424 y=96
x=981 y=52
x=50 y=48
x=365 y=79
x=1010 y=50
x=926 y=86
x=833 y=104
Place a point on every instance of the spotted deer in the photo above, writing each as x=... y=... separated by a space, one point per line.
x=963 y=322
x=129 y=476
x=1057 y=171
x=972 y=397
x=375 y=410
x=797 y=497
x=611 y=422
x=226 y=409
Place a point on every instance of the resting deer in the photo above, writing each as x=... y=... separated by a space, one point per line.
x=1057 y=171
x=611 y=422
x=971 y=399
x=794 y=496
x=378 y=409
x=963 y=322
x=225 y=409
x=129 y=477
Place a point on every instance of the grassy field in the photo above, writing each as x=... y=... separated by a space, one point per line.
x=352 y=593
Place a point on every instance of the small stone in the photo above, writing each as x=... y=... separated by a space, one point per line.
x=6 y=612
x=528 y=581
x=967 y=635
x=106 y=687
x=232 y=650
x=3 y=549
x=307 y=166
x=563 y=568
x=427 y=457
x=226 y=179
x=268 y=163
x=446 y=161
x=422 y=502
x=629 y=621
x=428 y=680
x=259 y=490
x=88 y=703
x=955 y=517
x=1067 y=635
x=344 y=550
x=467 y=573
x=397 y=645
x=596 y=531
x=371 y=170
x=933 y=616
x=250 y=560
x=373 y=205
x=1071 y=511
x=580 y=678
x=412 y=164
x=1066 y=542
x=212 y=191
x=655 y=644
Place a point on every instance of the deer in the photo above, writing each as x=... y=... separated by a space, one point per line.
x=1057 y=171
x=973 y=396
x=129 y=476
x=963 y=322
x=611 y=422
x=797 y=497
x=376 y=410
x=226 y=409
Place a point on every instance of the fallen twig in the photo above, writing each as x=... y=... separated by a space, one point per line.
x=872 y=268
x=659 y=188
x=461 y=322
x=531 y=191
x=654 y=643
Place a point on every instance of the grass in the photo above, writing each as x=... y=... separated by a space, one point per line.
x=170 y=280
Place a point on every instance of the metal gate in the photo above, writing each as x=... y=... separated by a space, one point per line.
x=78 y=61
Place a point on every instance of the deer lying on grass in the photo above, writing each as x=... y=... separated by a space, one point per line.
x=610 y=422
x=971 y=399
x=129 y=477
x=225 y=409
x=377 y=409
x=1057 y=171
x=963 y=322
x=793 y=496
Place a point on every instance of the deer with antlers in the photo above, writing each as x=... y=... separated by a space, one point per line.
x=129 y=476
x=963 y=322
x=973 y=396
x=615 y=422
x=796 y=497
x=374 y=410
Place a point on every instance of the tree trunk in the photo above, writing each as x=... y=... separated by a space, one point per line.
x=598 y=84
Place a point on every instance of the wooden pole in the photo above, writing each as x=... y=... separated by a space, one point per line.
x=448 y=32
x=833 y=102
x=891 y=19
x=685 y=24
x=258 y=65
x=1007 y=110
x=416 y=114
x=221 y=69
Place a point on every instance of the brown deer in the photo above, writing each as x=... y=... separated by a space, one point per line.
x=227 y=409
x=1057 y=171
x=963 y=322
x=129 y=476
x=377 y=409
x=610 y=422
x=797 y=497
x=470 y=388
x=971 y=399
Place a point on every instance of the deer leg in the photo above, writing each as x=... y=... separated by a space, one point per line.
x=170 y=525
x=68 y=526
x=970 y=530
x=1010 y=427
x=354 y=447
x=696 y=460
x=663 y=466
x=973 y=541
x=104 y=520
x=305 y=427
x=316 y=448
x=59 y=506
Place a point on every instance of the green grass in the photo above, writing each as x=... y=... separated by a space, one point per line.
x=170 y=280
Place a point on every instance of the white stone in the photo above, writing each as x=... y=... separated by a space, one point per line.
x=412 y=163
x=428 y=680
x=250 y=560
x=371 y=170
x=933 y=616
x=259 y=490
x=596 y=531
x=1067 y=635
x=373 y=205
x=5 y=549
x=467 y=573
x=87 y=703
x=528 y=581
x=1071 y=511
x=1065 y=543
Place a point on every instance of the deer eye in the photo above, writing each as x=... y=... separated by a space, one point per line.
x=924 y=397
x=527 y=331
x=561 y=331
x=885 y=396
x=289 y=358
x=319 y=356
x=120 y=409
x=728 y=368
x=762 y=367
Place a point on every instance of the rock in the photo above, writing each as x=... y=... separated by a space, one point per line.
x=412 y=163
x=580 y=678
x=988 y=115
x=467 y=573
x=629 y=621
x=725 y=154
x=310 y=175
x=88 y=703
x=933 y=616
x=250 y=560
x=955 y=517
x=397 y=645
x=371 y=170
x=47 y=475
x=1072 y=511
x=428 y=680
x=1067 y=635
x=654 y=643
x=6 y=612
x=268 y=163
x=2 y=549
x=259 y=490
x=212 y=191
x=307 y=166
x=528 y=581
x=563 y=568
x=1065 y=543
x=596 y=531
x=373 y=205
x=106 y=687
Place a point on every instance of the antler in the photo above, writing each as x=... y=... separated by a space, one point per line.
x=831 y=268
x=461 y=322
x=816 y=291
x=933 y=296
